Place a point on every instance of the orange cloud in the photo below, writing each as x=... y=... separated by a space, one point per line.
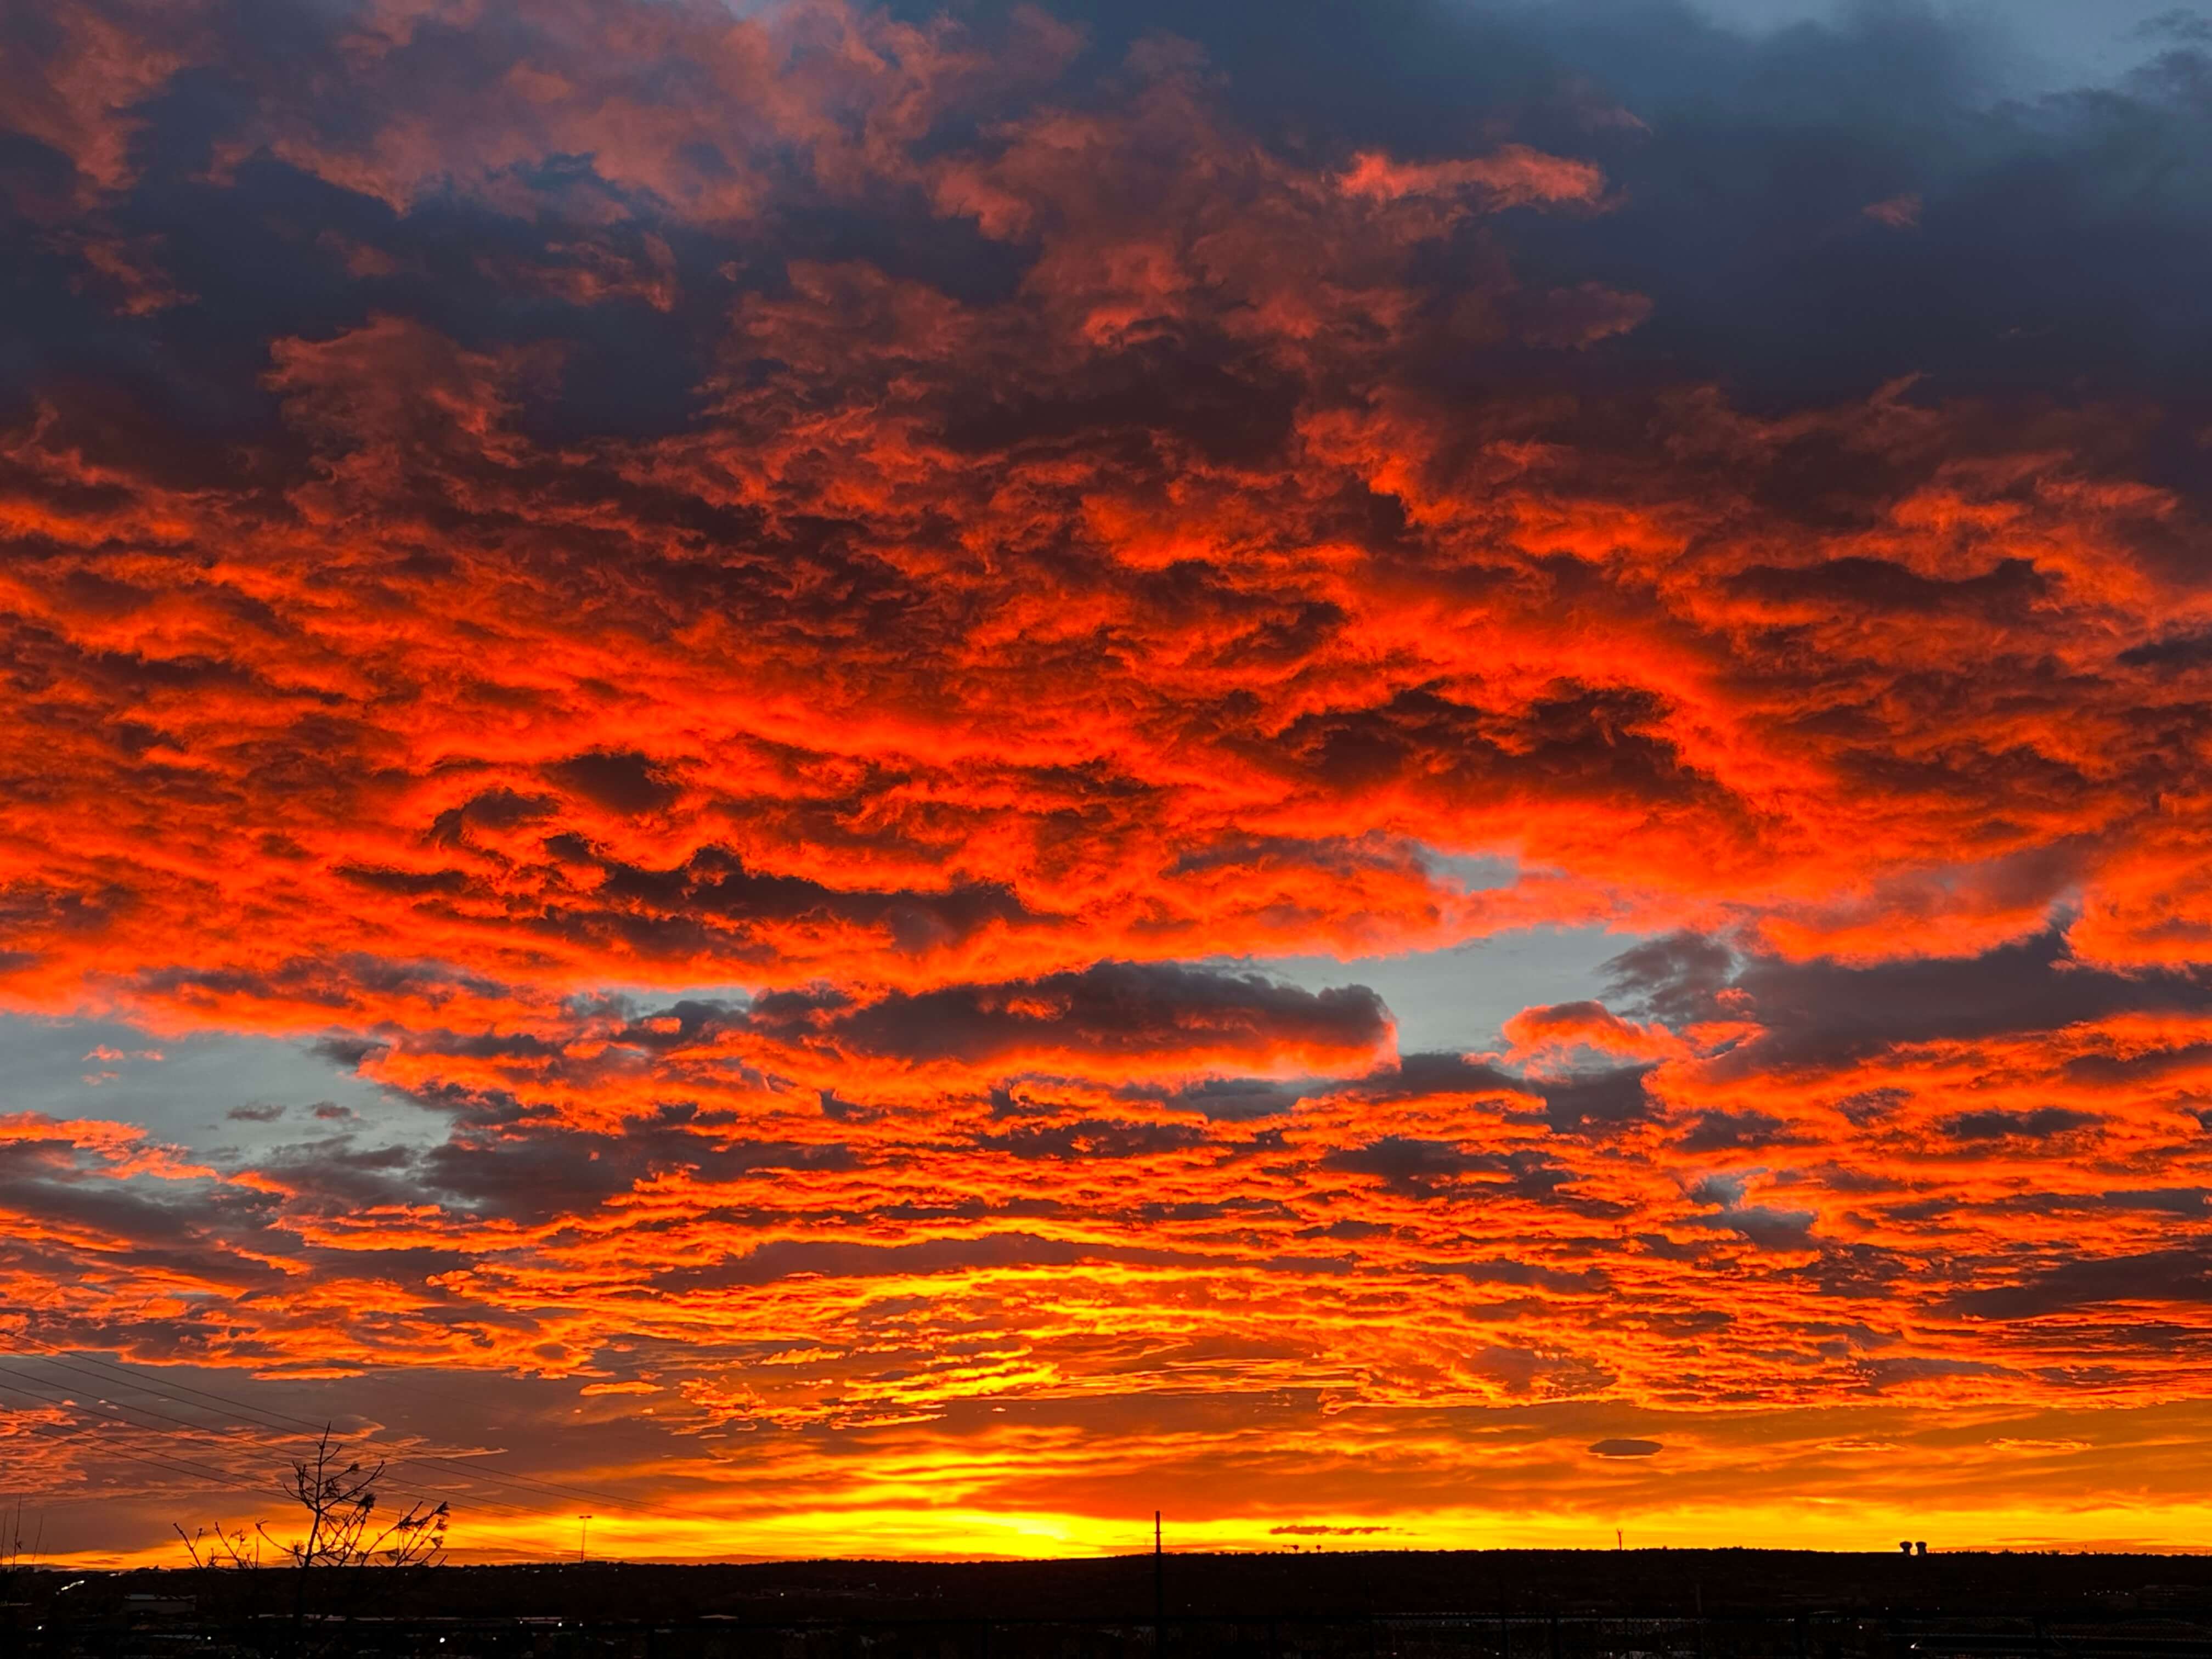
x=800 y=582
x=1513 y=175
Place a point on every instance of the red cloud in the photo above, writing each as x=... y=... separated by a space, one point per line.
x=1515 y=174
x=1536 y=1033
x=1151 y=542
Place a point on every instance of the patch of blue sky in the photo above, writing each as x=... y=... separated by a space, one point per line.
x=1456 y=999
x=219 y=1095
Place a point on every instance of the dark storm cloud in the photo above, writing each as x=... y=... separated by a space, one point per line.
x=712 y=898
x=1596 y=1103
x=2185 y=1203
x=1889 y=1373
x=1530 y=1274
x=1108 y=1009
x=1675 y=978
x=1430 y=1072
x=1228 y=1098
x=2014 y=245
x=1996 y=1124
x=1113 y=1005
x=2062 y=241
x=1716 y=1132
x=1435 y=1169
x=1581 y=742
x=1624 y=1446
x=1819 y=1012
x=527 y=1173
x=627 y=783
x=1095 y=1138
x=2176 y=1276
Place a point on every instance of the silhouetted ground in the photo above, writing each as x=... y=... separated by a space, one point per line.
x=1511 y=1604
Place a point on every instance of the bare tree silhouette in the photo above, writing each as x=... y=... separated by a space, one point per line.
x=342 y=1530
x=214 y=1546
x=340 y=1497
x=345 y=1530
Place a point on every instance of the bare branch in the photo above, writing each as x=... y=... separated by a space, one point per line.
x=216 y=1547
x=339 y=1495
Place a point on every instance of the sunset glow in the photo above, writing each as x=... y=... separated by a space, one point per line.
x=895 y=782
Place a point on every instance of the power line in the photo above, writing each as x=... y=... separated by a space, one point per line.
x=474 y=1469
x=40 y=1386
x=260 y=1417
x=416 y=1490
x=54 y=1430
x=174 y=1389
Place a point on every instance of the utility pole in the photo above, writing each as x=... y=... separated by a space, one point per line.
x=1159 y=1589
x=583 y=1533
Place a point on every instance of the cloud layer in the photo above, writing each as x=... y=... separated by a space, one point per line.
x=738 y=610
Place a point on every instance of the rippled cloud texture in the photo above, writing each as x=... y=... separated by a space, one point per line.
x=756 y=624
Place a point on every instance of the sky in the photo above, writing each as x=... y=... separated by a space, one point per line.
x=895 y=779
